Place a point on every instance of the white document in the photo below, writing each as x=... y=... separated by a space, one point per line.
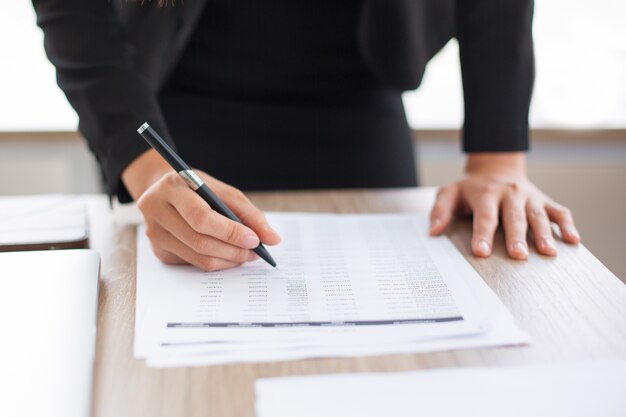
x=346 y=285
x=40 y=219
x=563 y=390
x=48 y=306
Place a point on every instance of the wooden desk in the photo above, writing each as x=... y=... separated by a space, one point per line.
x=572 y=306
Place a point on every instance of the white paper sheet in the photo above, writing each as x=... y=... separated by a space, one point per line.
x=502 y=334
x=563 y=390
x=346 y=284
x=37 y=219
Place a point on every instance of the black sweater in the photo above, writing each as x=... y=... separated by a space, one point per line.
x=274 y=94
x=113 y=59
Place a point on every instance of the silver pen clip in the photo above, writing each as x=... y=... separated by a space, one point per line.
x=192 y=179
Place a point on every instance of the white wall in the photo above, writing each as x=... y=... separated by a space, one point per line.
x=581 y=72
x=580 y=52
x=29 y=97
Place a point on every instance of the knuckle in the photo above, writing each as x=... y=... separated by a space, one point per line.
x=489 y=188
x=171 y=179
x=254 y=216
x=484 y=215
x=208 y=264
x=200 y=244
x=152 y=232
x=512 y=188
x=235 y=193
x=239 y=195
x=170 y=260
x=536 y=212
x=148 y=203
x=148 y=230
x=159 y=254
x=486 y=220
x=567 y=213
x=198 y=219
x=164 y=257
x=142 y=204
x=562 y=214
x=492 y=224
x=232 y=232
x=242 y=256
x=555 y=206
x=517 y=217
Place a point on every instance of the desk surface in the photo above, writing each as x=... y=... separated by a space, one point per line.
x=572 y=306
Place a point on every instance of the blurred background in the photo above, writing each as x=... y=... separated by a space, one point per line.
x=578 y=118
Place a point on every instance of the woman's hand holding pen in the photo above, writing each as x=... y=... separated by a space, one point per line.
x=183 y=229
x=496 y=186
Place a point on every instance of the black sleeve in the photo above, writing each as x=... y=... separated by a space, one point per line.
x=94 y=66
x=497 y=63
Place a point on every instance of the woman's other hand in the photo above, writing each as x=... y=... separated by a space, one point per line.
x=496 y=187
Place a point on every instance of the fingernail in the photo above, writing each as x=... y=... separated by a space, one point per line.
x=435 y=224
x=573 y=232
x=269 y=228
x=250 y=241
x=520 y=247
x=549 y=243
x=483 y=247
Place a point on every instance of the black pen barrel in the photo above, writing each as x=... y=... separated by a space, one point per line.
x=159 y=145
x=195 y=182
x=216 y=204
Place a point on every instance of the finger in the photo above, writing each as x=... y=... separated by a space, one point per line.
x=251 y=216
x=168 y=244
x=485 y=223
x=540 y=226
x=168 y=257
x=443 y=210
x=562 y=216
x=171 y=222
x=197 y=213
x=515 y=226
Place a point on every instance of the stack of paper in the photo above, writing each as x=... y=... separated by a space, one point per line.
x=346 y=285
x=563 y=390
x=37 y=222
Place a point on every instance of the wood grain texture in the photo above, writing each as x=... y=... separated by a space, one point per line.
x=572 y=306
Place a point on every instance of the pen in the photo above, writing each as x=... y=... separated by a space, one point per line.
x=195 y=182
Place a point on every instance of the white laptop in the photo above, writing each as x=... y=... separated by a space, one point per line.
x=48 y=304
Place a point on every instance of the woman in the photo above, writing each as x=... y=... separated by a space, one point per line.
x=286 y=94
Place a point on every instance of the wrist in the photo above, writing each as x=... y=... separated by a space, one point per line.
x=499 y=163
x=144 y=171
